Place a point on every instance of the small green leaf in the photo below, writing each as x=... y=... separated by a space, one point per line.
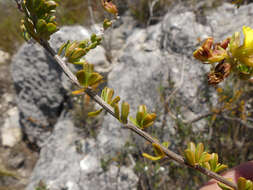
x=115 y=100
x=157 y=149
x=124 y=112
x=116 y=110
x=225 y=187
x=94 y=78
x=153 y=158
x=95 y=113
x=93 y=38
x=148 y=120
x=205 y=157
x=77 y=54
x=70 y=48
x=62 y=48
x=107 y=23
x=82 y=78
x=190 y=157
x=109 y=95
x=199 y=151
x=52 y=28
x=191 y=146
x=139 y=118
x=166 y=144
x=50 y=5
x=83 y=44
x=133 y=120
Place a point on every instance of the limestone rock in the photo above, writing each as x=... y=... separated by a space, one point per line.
x=11 y=132
x=61 y=165
x=41 y=87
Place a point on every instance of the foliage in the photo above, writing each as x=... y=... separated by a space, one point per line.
x=39 y=23
x=232 y=57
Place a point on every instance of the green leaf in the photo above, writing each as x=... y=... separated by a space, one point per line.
x=190 y=157
x=166 y=144
x=124 y=112
x=52 y=28
x=93 y=38
x=94 y=78
x=153 y=158
x=63 y=46
x=199 y=151
x=77 y=54
x=70 y=48
x=50 y=5
x=191 y=146
x=84 y=43
x=133 y=120
x=220 y=167
x=139 y=118
x=109 y=94
x=224 y=187
x=116 y=110
x=82 y=78
x=95 y=113
x=115 y=100
x=205 y=157
x=148 y=120
x=157 y=149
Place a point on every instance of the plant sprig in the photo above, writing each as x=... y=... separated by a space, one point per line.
x=39 y=24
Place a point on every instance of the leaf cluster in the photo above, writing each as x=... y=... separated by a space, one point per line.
x=75 y=50
x=39 y=21
x=242 y=184
x=195 y=155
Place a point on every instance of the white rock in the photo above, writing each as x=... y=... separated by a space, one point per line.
x=11 y=132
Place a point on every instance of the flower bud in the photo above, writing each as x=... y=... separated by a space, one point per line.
x=221 y=71
x=110 y=7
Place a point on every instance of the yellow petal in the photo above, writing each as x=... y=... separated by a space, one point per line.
x=154 y=158
x=248 y=37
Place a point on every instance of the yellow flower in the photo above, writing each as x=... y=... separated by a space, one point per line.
x=244 y=53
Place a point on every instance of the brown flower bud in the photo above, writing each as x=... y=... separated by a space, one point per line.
x=109 y=7
x=204 y=52
x=211 y=53
x=221 y=71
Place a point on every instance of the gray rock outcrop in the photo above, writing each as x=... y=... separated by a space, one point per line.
x=61 y=165
x=159 y=56
x=41 y=87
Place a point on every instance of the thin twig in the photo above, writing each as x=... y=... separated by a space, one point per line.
x=238 y=120
x=151 y=10
x=91 y=13
x=179 y=158
x=19 y=2
x=135 y=129
x=198 y=118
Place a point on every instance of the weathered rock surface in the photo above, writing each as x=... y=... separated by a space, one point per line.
x=148 y=59
x=11 y=132
x=62 y=165
x=41 y=87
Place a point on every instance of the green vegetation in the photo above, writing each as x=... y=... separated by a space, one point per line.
x=225 y=131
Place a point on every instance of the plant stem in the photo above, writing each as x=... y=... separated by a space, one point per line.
x=170 y=154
